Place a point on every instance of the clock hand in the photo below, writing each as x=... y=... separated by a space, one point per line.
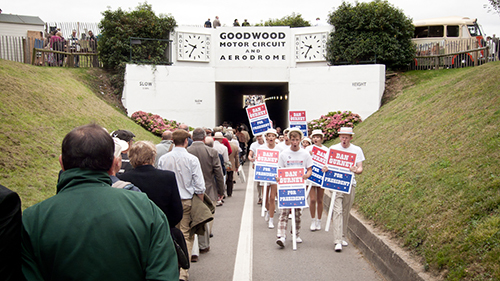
x=194 y=47
x=310 y=47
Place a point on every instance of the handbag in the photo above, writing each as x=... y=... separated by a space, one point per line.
x=180 y=248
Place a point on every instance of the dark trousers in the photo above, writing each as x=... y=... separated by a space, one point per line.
x=229 y=183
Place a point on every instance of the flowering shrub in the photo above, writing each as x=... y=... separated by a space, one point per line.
x=153 y=122
x=330 y=124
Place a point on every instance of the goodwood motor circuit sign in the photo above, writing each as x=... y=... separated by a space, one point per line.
x=253 y=46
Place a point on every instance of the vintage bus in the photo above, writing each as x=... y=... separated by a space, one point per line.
x=448 y=35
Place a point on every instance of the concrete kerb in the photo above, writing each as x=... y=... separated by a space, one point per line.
x=388 y=258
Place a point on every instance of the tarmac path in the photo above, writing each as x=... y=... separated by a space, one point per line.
x=244 y=248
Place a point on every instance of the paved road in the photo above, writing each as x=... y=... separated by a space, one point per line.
x=248 y=251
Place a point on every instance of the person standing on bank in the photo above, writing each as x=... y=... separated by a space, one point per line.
x=216 y=22
x=316 y=193
x=208 y=24
x=343 y=202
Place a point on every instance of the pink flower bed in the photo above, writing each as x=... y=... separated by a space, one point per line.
x=153 y=122
x=330 y=123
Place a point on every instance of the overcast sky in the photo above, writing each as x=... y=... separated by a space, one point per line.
x=196 y=12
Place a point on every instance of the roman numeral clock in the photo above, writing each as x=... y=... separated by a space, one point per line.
x=310 y=47
x=193 y=47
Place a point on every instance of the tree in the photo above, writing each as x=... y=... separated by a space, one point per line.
x=495 y=6
x=374 y=31
x=117 y=27
x=294 y=20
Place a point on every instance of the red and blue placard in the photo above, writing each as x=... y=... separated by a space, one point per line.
x=291 y=188
x=258 y=118
x=266 y=165
x=319 y=160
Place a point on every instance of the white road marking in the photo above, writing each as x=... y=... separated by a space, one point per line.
x=244 y=254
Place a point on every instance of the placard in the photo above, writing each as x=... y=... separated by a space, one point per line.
x=297 y=116
x=260 y=126
x=319 y=161
x=257 y=112
x=297 y=119
x=341 y=159
x=258 y=118
x=265 y=173
x=291 y=188
x=266 y=165
x=292 y=198
x=338 y=180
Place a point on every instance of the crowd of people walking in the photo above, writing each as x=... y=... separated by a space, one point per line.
x=133 y=210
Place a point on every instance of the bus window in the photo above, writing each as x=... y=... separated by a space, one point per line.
x=452 y=31
x=421 y=32
x=436 y=31
x=474 y=30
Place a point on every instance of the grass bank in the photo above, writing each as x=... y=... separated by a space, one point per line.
x=432 y=174
x=38 y=107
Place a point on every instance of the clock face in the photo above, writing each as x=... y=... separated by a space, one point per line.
x=193 y=47
x=310 y=47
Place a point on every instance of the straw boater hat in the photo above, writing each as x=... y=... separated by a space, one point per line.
x=317 y=132
x=218 y=135
x=271 y=131
x=345 y=131
x=307 y=139
x=295 y=130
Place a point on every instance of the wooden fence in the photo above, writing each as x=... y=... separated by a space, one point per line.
x=455 y=53
x=39 y=51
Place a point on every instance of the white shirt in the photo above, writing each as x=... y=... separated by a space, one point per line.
x=222 y=149
x=187 y=171
x=283 y=145
x=295 y=159
x=266 y=146
x=254 y=146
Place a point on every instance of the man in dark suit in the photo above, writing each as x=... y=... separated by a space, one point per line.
x=10 y=235
x=159 y=185
x=212 y=174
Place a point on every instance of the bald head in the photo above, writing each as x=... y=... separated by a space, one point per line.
x=209 y=141
x=184 y=127
x=167 y=135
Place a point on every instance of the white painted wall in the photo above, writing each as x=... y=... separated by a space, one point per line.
x=319 y=90
x=18 y=30
x=187 y=94
x=185 y=91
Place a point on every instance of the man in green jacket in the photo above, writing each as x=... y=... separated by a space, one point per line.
x=90 y=230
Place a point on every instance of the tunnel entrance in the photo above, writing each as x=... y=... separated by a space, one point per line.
x=230 y=102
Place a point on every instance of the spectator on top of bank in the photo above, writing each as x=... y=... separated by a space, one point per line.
x=208 y=24
x=216 y=22
x=245 y=23
x=236 y=23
